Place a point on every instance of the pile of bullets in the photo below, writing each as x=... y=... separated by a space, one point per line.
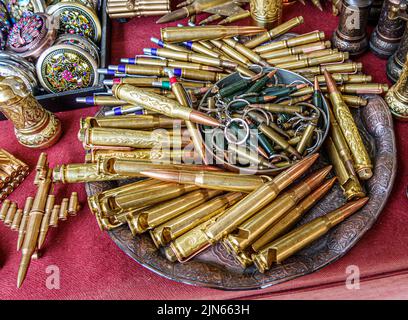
x=12 y=173
x=39 y=213
x=124 y=9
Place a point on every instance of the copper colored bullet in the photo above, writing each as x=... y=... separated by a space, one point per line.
x=289 y=244
x=290 y=218
x=257 y=200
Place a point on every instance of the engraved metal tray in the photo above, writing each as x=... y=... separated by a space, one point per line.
x=216 y=268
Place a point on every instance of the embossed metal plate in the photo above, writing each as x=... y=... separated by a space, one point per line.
x=216 y=268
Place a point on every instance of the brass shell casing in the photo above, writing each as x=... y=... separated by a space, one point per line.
x=34 y=126
x=275 y=32
x=134 y=122
x=163 y=212
x=348 y=67
x=303 y=49
x=177 y=226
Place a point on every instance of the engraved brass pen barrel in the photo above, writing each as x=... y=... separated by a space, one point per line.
x=174 y=228
x=275 y=32
x=175 y=34
x=135 y=122
x=289 y=219
x=347 y=78
x=155 y=102
x=292 y=42
x=83 y=172
x=256 y=200
x=209 y=179
x=302 y=56
x=362 y=161
x=253 y=228
x=124 y=138
x=191 y=57
x=141 y=155
x=289 y=244
x=154 y=216
x=134 y=168
x=303 y=49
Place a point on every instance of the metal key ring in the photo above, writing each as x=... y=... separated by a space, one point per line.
x=228 y=137
x=256 y=110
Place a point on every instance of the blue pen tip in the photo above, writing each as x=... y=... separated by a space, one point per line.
x=147 y=51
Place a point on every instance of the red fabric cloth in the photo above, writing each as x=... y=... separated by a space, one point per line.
x=92 y=267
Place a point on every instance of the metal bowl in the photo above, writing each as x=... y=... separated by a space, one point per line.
x=284 y=77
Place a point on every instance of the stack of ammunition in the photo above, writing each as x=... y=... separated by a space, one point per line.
x=12 y=173
x=123 y=9
x=39 y=213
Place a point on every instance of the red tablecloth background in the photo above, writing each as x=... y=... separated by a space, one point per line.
x=92 y=267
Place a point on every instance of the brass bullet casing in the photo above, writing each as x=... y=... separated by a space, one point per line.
x=152 y=155
x=275 y=32
x=195 y=58
x=284 y=247
x=42 y=129
x=387 y=34
x=346 y=78
x=144 y=61
x=133 y=168
x=255 y=227
x=170 y=230
x=225 y=181
x=24 y=221
x=397 y=60
x=184 y=100
x=112 y=9
x=129 y=15
x=265 y=13
x=156 y=194
x=102 y=101
x=176 y=34
x=302 y=56
x=349 y=183
x=292 y=42
x=256 y=200
x=278 y=139
x=279 y=108
x=4 y=209
x=348 y=67
x=192 y=242
x=362 y=161
x=17 y=164
x=44 y=183
x=351 y=33
x=55 y=216
x=350 y=88
x=45 y=222
x=303 y=49
x=155 y=102
x=293 y=216
x=306 y=137
x=134 y=122
x=15 y=225
x=63 y=213
x=231 y=52
x=310 y=62
x=154 y=216
x=397 y=96
x=10 y=214
x=354 y=101
x=120 y=138
x=251 y=55
x=73 y=205
x=82 y=172
x=235 y=17
x=158 y=70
